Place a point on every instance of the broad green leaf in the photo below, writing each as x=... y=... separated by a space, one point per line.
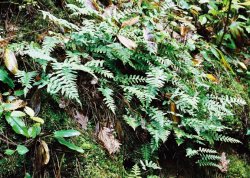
x=10 y=61
x=34 y=130
x=22 y=149
x=69 y=145
x=66 y=133
x=9 y=152
x=17 y=125
x=29 y=111
x=5 y=78
x=17 y=114
x=18 y=92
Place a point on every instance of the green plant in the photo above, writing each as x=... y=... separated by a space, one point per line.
x=131 y=55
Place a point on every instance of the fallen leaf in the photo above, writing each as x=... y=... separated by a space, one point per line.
x=183 y=31
x=109 y=141
x=81 y=119
x=92 y=4
x=130 y=22
x=109 y=11
x=149 y=37
x=14 y=105
x=173 y=111
x=43 y=153
x=223 y=165
x=127 y=42
x=10 y=61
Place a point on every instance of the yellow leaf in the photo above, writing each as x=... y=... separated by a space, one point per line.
x=197 y=62
x=127 y=42
x=10 y=61
x=38 y=119
x=130 y=22
x=212 y=78
x=224 y=61
x=29 y=111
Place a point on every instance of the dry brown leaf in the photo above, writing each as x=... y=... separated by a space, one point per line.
x=109 y=11
x=81 y=119
x=16 y=104
x=149 y=37
x=174 y=110
x=10 y=61
x=46 y=155
x=127 y=42
x=130 y=22
x=42 y=156
x=92 y=4
x=223 y=165
x=184 y=30
x=3 y=42
x=106 y=136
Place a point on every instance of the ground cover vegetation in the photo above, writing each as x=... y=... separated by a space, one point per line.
x=134 y=88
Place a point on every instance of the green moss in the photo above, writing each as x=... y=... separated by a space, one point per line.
x=238 y=168
x=11 y=165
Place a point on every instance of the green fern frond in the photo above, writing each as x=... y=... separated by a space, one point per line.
x=108 y=98
x=135 y=173
x=26 y=79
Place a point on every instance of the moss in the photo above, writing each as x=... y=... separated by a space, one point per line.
x=11 y=165
x=95 y=162
x=238 y=168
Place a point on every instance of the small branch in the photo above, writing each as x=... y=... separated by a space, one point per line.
x=226 y=23
x=8 y=142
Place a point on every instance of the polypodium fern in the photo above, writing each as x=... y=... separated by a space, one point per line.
x=26 y=79
x=135 y=173
x=108 y=98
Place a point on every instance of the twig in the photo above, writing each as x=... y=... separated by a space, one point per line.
x=8 y=142
x=226 y=23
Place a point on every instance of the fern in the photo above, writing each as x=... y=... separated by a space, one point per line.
x=26 y=79
x=108 y=99
x=136 y=172
x=149 y=164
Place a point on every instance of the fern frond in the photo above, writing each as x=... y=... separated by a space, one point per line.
x=26 y=79
x=108 y=98
x=135 y=173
